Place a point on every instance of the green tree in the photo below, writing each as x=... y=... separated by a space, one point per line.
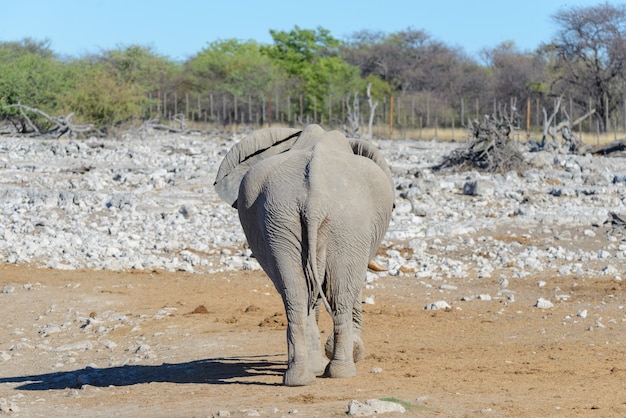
x=232 y=66
x=30 y=74
x=143 y=70
x=98 y=95
x=310 y=58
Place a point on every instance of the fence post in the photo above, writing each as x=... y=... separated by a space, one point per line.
x=187 y=106
x=477 y=109
x=462 y=111
x=263 y=118
x=528 y=117
x=390 y=116
x=199 y=112
x=249 y=109
x=330 y=107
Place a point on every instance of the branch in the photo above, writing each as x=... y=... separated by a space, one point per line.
x=61 y=127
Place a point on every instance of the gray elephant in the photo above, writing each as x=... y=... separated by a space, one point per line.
x=314 y=207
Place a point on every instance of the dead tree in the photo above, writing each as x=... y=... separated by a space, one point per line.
x=372 y=106
x=61 y=126
x=491 y=149
x=155 y=124
x=571 y=142
x=354 y=116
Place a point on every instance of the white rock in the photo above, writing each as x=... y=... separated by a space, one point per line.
x=544 y=304
x=372 y=407
x=49 y=329
x=77 y=346
x=369 y=300
x=8 y=288
x=8 y=407
x=582 y=313
x=440 y=304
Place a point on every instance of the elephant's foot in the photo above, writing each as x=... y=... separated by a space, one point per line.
x=317 y=362
x=358 y=349
x=298 y=375
x=339 y=369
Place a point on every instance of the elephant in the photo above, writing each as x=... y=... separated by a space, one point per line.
x=314 y=207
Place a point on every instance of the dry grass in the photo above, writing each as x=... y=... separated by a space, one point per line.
x=460 y=134
x=441 y=134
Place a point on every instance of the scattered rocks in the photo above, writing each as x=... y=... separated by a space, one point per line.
x=70 y=218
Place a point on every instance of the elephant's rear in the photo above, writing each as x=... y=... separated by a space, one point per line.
x=314 y=215
x=356 y=198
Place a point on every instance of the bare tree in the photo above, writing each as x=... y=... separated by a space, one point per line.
x=571 y=142
x=515 y=74
x=590 y=56
x=354 y=115
x=61 y=126
x=372 y=105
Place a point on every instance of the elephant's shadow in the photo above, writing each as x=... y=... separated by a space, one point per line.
x=225 y=370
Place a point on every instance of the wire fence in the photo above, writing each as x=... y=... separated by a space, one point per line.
x=421 y=115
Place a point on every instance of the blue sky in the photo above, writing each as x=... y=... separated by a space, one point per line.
x=179 y=29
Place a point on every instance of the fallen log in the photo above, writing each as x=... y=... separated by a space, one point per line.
x=615 y=146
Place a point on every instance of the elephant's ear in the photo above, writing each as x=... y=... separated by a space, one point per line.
x=260 y=145
x=365 y=149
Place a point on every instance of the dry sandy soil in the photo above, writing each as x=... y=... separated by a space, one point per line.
x=97 y=343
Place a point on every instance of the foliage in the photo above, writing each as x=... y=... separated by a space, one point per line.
x=238 y=68
x=314 y=72
x=140 y=67
x=309 y=58
x=30 y=74
x=99 y=95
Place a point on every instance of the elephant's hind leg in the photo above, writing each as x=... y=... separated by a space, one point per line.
x=358 y=351
x=317 y=361
x=299 y=371
x=342 y=361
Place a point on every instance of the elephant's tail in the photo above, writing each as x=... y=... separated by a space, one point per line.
x=310 y=229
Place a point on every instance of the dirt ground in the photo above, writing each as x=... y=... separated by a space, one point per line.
x=97 y=343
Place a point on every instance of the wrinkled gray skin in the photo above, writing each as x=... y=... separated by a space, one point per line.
x=314 y=207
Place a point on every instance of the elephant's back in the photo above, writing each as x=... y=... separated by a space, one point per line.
x=278 y=180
